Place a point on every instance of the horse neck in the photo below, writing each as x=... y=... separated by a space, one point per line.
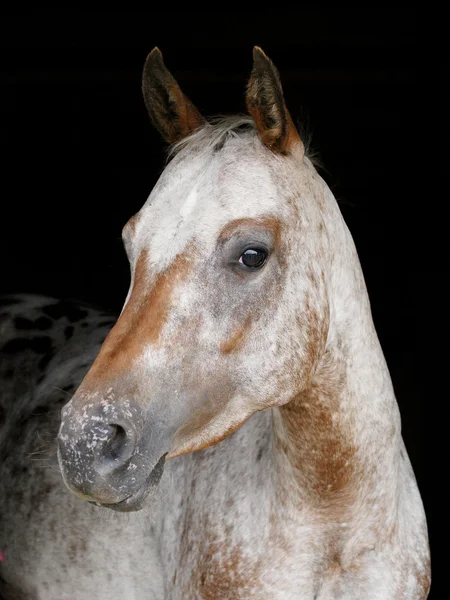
x=339 y=438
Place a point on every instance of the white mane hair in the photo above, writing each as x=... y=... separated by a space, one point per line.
x=216 y=130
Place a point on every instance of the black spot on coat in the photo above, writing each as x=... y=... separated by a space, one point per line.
x=65 y=309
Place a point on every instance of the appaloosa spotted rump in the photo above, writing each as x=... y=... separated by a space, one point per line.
x=238 y=417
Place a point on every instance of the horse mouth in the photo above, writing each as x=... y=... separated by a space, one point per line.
x=136 y=500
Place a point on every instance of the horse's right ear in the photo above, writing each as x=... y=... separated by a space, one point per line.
x=171 y=112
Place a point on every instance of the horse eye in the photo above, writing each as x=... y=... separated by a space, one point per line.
x=253 y=258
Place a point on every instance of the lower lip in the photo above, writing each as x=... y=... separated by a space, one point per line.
x=137 y=500
x=132 y=503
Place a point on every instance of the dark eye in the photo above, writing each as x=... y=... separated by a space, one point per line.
x=253 y=258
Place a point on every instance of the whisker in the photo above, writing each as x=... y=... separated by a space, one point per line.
x=28 y=454
x=61 y=390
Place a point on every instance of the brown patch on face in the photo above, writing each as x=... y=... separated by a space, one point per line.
x=235 y=341
x=141 y=321
x=268 y=223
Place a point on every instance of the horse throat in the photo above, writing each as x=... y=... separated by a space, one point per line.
x=339 y=438
x=314 y=436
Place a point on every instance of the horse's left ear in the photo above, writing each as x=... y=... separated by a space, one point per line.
x=170 y=111
x=265 y=103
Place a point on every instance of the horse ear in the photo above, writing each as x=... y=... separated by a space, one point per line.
x=171 y=112
x=265 y=103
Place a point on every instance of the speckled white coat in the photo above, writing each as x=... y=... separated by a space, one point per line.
x=318 y=501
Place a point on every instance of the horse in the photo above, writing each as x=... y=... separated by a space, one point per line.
x=238 y=418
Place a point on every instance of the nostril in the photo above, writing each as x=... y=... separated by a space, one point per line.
x=117 y=447
x=117 y=442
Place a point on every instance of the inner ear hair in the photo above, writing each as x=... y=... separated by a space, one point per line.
x=266 y=105
x=170 y=110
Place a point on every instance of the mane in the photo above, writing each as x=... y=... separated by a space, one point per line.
x=213 y=135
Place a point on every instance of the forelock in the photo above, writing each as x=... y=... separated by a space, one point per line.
x=214 y=134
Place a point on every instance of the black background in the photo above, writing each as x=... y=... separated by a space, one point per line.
x=80 y=157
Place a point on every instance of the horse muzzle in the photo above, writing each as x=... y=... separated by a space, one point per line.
x=107 y=453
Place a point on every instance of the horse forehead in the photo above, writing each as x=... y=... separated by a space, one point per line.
x=193 y=202
x=225 y=178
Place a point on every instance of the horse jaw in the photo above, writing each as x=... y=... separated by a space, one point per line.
x=208 y=430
